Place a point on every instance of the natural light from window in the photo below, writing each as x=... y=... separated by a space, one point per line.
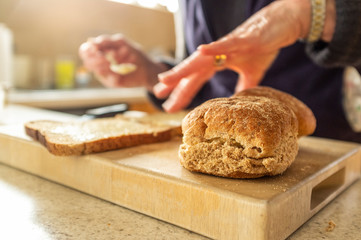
x=170 y=5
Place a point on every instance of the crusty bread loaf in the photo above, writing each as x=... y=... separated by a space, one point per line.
x=306 y=119
x=240 y=137
x=98 y=135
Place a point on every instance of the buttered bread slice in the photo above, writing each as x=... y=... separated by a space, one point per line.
x=98 y=135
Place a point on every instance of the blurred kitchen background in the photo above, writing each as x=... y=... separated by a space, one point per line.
x=46 y=34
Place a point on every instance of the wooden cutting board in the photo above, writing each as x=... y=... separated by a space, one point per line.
x=150 y=180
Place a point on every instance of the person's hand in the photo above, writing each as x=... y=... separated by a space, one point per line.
x=250 y=50
x=181 y=83
x=95 y=55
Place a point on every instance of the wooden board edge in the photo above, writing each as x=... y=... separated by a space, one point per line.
x=312 y=195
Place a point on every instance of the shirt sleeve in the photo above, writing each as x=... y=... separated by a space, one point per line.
x=344 y=48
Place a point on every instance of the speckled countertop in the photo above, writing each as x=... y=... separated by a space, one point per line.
x=35 y=208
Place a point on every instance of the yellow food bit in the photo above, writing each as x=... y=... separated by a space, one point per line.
x=331 y=226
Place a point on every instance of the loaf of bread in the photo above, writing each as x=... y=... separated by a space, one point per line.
x=241 y=137
x=306 y=119
x=98 y=135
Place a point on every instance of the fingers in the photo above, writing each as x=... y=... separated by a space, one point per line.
x=250 y=76
x=185 y=90
x=94 y=56
x=162 y=90
x=183 y=81
x=93 y=59
x=104 y=42
x=245 y=82
x=88 y=51
x=190 y=65
x=124 y=55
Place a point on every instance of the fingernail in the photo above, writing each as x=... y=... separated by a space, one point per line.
x=162 y=75
x=98 y=39
x=200 y=47
x=116 y=36
x=167 y=105
x=158 y=88
x=239 y=88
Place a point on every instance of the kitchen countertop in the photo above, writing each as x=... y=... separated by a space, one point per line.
x=76 y=98
x=34 y=208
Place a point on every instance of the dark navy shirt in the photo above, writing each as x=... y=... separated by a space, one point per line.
x=292 y=71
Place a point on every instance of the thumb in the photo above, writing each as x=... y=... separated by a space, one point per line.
x=247 y=81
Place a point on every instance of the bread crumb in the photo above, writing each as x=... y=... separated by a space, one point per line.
x=331 y=226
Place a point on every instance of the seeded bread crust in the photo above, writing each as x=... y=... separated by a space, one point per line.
x=306 y=119
x=239 y=137
x=99 y=135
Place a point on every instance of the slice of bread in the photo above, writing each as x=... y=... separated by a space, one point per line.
x=93 y=136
